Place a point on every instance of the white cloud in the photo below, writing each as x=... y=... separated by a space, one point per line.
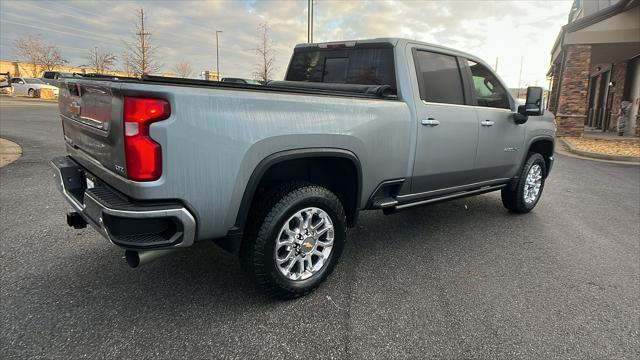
x=185 y=31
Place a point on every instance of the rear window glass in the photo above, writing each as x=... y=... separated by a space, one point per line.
x=439 y=78
x=365 y=66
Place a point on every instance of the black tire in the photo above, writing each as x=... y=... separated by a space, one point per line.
x=263 y=227
x=513 y=194
x=31 y=93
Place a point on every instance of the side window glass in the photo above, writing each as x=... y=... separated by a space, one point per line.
x=48 y=75
x=489 y=92
x=439 y=78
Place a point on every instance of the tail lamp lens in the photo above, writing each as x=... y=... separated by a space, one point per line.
x=143 y=154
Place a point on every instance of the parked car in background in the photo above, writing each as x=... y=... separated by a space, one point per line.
x=5 y=83
x=5 y=87
x=30 y=86
x=51 y=77
x=241 y=81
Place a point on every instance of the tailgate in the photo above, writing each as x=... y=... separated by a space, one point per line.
x=91 y=113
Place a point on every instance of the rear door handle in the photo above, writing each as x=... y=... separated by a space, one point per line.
x=487 y=123
x=430 y=122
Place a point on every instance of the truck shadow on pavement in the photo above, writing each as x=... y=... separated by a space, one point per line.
x=206 y=276
x=201 y=296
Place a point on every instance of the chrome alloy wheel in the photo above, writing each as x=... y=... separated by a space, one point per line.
x=532 y=184
x=304 y=243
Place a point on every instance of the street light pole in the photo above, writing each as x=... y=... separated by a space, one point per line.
x=217 y=56
x=309 y=21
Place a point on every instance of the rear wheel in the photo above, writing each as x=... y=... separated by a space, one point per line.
x=294 y=239
x=31 y=93
x=523 y=196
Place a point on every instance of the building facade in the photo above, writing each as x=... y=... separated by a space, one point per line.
x=595 y=68
x=21 y=69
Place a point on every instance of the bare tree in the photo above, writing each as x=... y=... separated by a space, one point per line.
x=34 y=51
x=183 y=69
x=100 y=61
x=266 y=54
x=50 y=58
x=28 y=49
x=140 y=54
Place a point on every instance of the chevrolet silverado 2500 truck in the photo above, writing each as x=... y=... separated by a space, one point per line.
x=277 y=173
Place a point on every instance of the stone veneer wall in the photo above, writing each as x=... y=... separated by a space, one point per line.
x=573 y=101
x=618 y=77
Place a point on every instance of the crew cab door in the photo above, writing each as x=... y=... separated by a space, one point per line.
x=447 y=134
x=500 y=139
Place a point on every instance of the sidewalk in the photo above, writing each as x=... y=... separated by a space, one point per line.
x=9 y=152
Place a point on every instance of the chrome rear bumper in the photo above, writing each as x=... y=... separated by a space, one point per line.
x=121 y=220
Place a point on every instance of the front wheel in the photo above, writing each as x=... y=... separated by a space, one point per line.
x=523 y=196
x=32 y=93
x=294 y=239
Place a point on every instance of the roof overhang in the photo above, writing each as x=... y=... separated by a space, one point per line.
x=619 y=23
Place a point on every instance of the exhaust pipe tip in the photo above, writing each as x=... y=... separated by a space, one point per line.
x=137 y=258
x=132 y=257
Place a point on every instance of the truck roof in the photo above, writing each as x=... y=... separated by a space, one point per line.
x=394 y=41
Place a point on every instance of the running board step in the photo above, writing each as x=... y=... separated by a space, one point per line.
x=458 y=195
x=385 y=203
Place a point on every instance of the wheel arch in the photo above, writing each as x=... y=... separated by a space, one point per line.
x=544 y=146
x=307 y=154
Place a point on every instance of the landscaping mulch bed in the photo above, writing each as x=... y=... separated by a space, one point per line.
x=620 y=147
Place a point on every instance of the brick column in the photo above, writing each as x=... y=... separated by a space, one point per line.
x=574 y=87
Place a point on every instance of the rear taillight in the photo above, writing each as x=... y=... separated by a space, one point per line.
x=143 y=155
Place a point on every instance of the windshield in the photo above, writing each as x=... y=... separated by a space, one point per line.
x=33 y=81
x=372 y=64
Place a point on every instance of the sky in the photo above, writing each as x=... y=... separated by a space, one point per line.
x=510 y=31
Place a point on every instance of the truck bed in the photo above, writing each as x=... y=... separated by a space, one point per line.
x=217 y=133
x=295 y=87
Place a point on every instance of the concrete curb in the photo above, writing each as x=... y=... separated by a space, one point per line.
x=27 y=98
x=9 y=152
x=572 y=149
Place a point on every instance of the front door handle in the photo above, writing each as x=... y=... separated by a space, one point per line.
x=487 y=123
x=430 y=122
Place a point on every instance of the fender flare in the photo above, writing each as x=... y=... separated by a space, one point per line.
x=533 y=140
x=541 y=137
x=273 y=159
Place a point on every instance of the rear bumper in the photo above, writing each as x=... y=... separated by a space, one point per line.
x=126 y=223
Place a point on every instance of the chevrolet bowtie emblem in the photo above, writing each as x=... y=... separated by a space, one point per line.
x=307 y=245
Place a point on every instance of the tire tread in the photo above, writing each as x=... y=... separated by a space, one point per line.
x=260 y=224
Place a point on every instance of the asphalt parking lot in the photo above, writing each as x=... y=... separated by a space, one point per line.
x=463 y=279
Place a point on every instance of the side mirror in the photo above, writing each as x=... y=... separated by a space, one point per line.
x=533 y=106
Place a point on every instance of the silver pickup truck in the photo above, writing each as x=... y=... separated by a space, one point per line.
x=276 y=173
